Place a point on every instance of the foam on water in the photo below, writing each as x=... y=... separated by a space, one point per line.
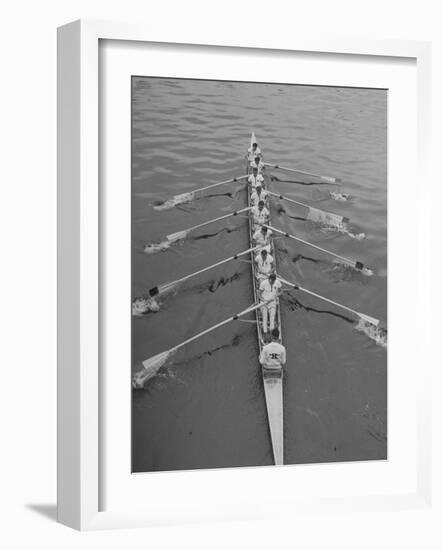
x=174 y=201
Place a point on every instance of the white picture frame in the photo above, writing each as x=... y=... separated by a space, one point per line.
x=79 y=269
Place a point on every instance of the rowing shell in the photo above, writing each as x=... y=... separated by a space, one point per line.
x=272 y=379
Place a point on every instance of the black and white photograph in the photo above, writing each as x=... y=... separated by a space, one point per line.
x=228 y=229
x=258 y=274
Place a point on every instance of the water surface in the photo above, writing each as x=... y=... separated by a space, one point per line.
x=206 y=409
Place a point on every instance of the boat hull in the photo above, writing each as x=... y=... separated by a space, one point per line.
x=272 y=378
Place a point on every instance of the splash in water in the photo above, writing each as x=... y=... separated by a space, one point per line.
x=150 y=367
x=378 y=334
x=154 y=248
x=174 y=201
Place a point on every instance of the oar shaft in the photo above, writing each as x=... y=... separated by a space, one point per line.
x=231 y=180
x=353 y=263
x=214 y=327
x=329 y=179
x=216 y=220
x=203 y=270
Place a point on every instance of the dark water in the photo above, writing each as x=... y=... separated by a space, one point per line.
x=206 y=409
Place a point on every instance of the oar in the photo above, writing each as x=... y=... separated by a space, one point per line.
x=315 y=214
x=356 y=264
x=183 y=234
x=151 y=365
x=156 y=290
x=327 y=179
x=362 y=316
x=187 y=197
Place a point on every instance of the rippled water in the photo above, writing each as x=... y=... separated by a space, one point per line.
x=206 y=408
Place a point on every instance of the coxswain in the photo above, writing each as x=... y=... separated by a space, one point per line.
x=253 y=151
x=273 y=355
x=269 y=291
x=255 y=178
x=258 y=163
x=259 y=194
x=260 y=214
x=261 y=237
x=264 y=264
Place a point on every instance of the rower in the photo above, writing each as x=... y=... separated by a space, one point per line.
x=264 y=264
x=255 y=178
x=262 y=237
x=273 y=355
x=259 y=194
x=253 y=151
x=258 y=163
x=269 y=290
x=260 y=214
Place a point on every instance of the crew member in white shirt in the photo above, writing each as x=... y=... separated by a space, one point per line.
x=253 y=151
x=259 y=194
x=273 y=355
x=261 y=237
x=258 y=163
x=255 y=178
x=264 y=263
x=269 y=290
x=260 y=214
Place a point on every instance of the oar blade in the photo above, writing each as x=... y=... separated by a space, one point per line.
x=151 y=367
x=368 y=319
x=178 y=236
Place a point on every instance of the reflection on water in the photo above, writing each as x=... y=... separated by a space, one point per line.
x=205 y=408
